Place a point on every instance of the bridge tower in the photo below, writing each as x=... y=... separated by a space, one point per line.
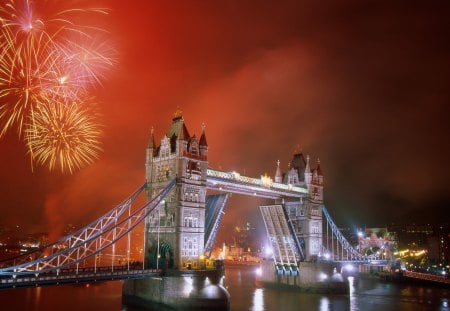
x=174 y=232
x=306 y=214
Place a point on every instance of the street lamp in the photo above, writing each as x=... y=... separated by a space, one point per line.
x=159 y=224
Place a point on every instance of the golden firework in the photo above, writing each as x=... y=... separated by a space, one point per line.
x=64 y=135
x=47 y=68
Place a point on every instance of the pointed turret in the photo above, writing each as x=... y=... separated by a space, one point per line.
x=318 y=168
x=178 y=129
x=203 y=144
x=151 y=141
x=308 y=175
x=307 y=167
x=150 y=153
x=183 y=133
x=296 y=173
x=316 y=186
x=278 y=177
x=178 y=133
x=203 y=137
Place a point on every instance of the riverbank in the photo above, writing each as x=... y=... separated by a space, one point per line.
x=411 y=277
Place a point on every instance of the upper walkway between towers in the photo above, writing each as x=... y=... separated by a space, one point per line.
x=234 y=182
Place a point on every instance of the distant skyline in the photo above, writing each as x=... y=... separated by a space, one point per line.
x=363 y=86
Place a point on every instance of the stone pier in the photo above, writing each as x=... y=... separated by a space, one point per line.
x=178 y=290
x=315 y=277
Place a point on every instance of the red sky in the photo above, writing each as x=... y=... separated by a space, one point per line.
x=361 y=85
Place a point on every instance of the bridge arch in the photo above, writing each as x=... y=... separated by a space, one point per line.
x=161 y=257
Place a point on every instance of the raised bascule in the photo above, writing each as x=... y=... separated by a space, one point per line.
x=185 y=202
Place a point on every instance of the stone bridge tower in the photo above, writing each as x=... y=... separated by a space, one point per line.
x=306 y=214
x=175 y=230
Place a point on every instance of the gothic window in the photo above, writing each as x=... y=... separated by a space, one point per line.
x=291 y=211
x=293 y=177
x=315 y=193
x=193 y=146
x=191 y=194
x=162 y=173
x=314 y=211
x=190 y=221
x=169 y=220
x=187 y=220
x=193 y=170
x=302 y=211
x=190 y=247
x=315 y=227
x=314 y=247
x=165 y=148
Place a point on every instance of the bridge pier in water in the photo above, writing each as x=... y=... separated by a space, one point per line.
x=313 y=277
x=178 y=290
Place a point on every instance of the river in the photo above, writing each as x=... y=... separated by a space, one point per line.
x=366 y=295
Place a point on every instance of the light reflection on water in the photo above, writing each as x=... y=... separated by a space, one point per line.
x=365 y=294
x=324 y=304
x=351 y=295
x=258 y=300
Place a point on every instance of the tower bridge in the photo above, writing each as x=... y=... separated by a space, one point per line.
x=181 y=220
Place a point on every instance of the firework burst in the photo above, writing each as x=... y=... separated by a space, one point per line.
x=64 y=135
x=46 y=63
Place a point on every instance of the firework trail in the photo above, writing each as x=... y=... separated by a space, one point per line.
x=46 y=66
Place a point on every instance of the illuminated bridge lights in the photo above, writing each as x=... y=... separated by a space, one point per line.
x=264 y=186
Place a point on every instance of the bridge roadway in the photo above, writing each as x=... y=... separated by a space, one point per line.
x=74 y=276
x=265 y=187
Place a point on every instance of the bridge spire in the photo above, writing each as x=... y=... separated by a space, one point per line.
x=151 y=141
x=319 y=169
x=308 y=174
x=278 y=177
x=203 y=141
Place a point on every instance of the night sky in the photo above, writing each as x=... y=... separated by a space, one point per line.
x=362 y=85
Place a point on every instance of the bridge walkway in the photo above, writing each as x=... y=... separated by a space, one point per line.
x=72 y=276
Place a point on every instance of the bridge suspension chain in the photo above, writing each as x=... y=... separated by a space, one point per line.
x=90 y=242
x=80 y=236
x=345 y=245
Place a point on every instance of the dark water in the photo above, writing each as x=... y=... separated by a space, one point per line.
x=368 y=294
